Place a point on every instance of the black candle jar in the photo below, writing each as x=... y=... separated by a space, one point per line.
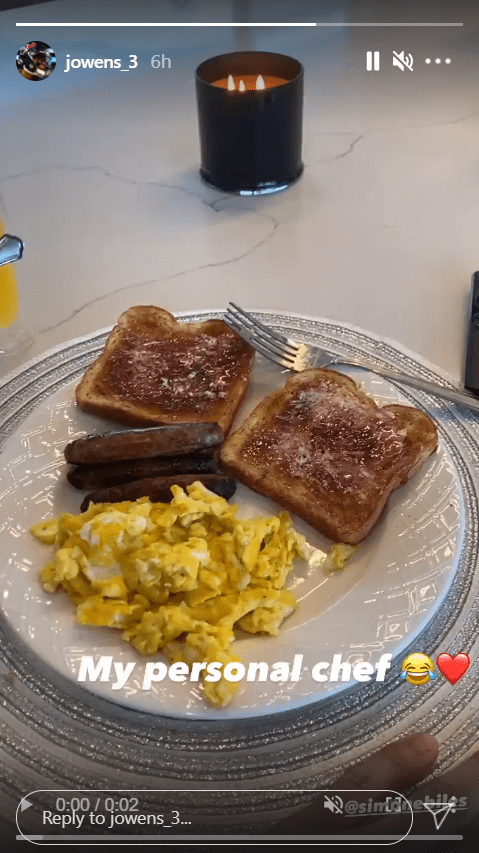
x=250 y=140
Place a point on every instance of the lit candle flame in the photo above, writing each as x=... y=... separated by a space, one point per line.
x=242 y=86
x=260 y=82
x=231 y=83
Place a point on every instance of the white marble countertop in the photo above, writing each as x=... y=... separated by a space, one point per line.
x=99 y=176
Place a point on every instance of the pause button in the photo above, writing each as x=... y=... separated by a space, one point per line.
x=372 y=60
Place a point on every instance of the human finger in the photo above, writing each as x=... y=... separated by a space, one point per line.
x=395 y=767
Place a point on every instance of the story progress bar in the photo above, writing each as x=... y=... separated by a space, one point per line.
x=255 y=838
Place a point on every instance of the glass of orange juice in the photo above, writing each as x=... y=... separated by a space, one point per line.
x=14 y=336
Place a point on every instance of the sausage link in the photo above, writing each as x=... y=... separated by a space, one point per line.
x=106 y=474
x=159 y=489
x=143 y=443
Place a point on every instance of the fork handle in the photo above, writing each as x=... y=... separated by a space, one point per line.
x=461 y=398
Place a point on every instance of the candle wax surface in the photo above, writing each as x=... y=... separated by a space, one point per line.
x=250 y=81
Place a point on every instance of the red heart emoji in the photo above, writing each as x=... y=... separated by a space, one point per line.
x=453 y=668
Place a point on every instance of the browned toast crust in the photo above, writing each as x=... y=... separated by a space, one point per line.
x=327 y=452
x=155 y=370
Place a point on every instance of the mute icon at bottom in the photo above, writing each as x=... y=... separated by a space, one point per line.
x=334 y=804
x=372 y=60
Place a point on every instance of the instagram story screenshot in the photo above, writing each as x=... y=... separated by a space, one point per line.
x=239 y=424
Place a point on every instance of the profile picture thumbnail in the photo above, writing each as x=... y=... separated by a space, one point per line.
x=36 y=60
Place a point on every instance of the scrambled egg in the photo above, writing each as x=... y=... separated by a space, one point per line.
x=179 y=577
x=337 y=556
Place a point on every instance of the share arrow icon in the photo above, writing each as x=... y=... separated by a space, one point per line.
x=440 y=811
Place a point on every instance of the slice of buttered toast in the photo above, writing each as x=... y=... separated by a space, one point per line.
x=326 y=451
x=156 y=370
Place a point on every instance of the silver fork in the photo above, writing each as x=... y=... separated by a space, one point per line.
x=298 y=357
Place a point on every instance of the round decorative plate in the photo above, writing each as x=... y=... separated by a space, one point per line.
x=409 y=587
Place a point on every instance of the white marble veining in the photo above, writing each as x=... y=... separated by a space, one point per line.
x=99 y=175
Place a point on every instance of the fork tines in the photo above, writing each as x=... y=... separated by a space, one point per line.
x=269 y=343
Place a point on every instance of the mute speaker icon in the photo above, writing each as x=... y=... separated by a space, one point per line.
x=401 y=61
x=334 y=804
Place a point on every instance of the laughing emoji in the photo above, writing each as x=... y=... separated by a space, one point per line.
x=418 y=668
